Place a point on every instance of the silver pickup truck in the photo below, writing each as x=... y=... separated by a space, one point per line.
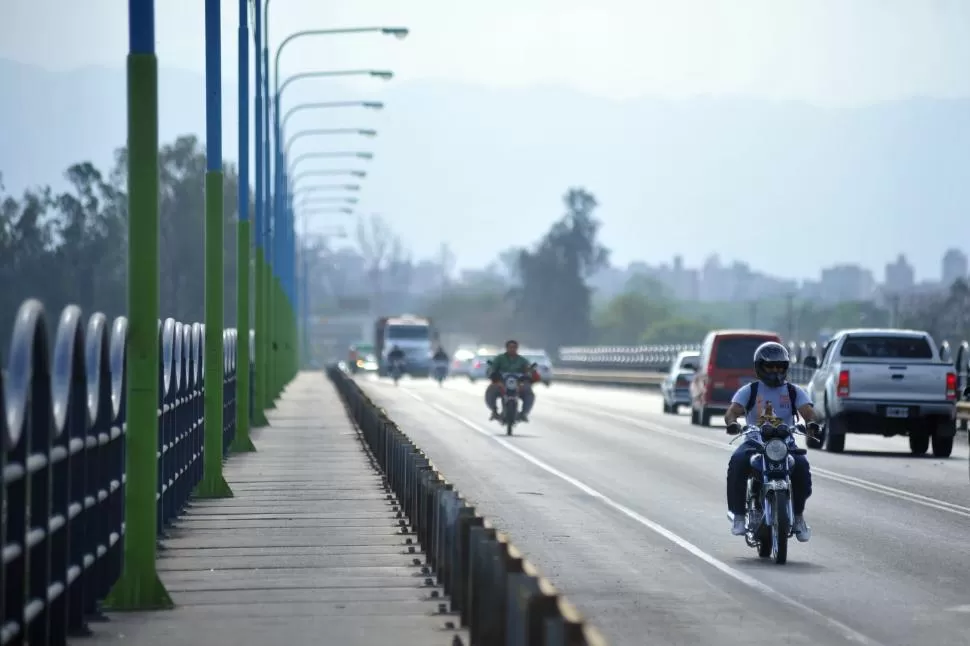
x=885 y=382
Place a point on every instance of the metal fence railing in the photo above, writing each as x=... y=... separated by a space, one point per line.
x=65 y=437
x=658 y=358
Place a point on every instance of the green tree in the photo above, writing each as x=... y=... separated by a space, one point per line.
x=553 y=300
x=626 y=317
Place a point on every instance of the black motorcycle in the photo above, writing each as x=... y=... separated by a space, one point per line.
x=397 y=369
x=511 y=388
x=769 y=508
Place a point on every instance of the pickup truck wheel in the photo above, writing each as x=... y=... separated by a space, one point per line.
x=814 y=443
x=666 y=406
x=919 y=443
x=942 y=446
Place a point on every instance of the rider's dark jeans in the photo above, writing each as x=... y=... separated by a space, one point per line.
x=739 y=467
x=494 y=390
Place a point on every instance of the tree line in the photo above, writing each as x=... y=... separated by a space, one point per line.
x=550 y=304
x=70 y=247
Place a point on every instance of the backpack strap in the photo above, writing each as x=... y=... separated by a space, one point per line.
x=752 y=396
x=793 y=397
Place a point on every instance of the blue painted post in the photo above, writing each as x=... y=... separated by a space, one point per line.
x=213 y=485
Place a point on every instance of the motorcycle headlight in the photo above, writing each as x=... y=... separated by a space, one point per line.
x=511 y=383
x=776 y=450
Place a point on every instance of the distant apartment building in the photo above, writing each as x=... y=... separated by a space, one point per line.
x=846 y=283
x=955 y=267
x=899 y=277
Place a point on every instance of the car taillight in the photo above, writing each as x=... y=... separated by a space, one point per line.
x=843 y=387
x=951 y=385
x=478 y=364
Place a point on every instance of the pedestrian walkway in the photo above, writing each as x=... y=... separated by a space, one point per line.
x=308 y=552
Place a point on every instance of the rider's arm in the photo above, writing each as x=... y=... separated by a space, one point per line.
x=736 y=410
x=803 y=403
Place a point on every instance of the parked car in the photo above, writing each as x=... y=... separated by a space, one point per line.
x=675 y=388
x=726 y=364
x=543 y=363
x=885 y=382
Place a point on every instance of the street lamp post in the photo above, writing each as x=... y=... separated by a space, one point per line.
x=284 y=237
x=314 y=188
x=262 y=399
x=311 y=201
x=327 y=173
x=282 y=219
x=241 y=441
x=371 y=105
x=328 y=155
x=318 y=132
x=139 y=587
x=305 y=252
x=213 y=485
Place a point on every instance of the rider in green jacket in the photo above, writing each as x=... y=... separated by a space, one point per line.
x=509 y=361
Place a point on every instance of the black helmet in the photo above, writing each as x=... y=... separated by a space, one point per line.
x=772 y=355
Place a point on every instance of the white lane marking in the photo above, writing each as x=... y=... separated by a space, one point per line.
x=826 y=474
x=852 y=481
x=739 y=576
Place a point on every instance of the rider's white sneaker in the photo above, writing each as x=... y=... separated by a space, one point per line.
x=739 y=525
x=802 y=531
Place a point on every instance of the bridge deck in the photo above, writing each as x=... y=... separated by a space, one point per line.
x=306 y=553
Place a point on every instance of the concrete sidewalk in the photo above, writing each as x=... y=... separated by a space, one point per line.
x=308 y=552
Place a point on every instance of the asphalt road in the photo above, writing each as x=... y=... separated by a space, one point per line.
x=623 y=508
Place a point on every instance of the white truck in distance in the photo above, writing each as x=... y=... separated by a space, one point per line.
x=885 y=382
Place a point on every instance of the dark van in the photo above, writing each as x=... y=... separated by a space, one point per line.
x=726 y=364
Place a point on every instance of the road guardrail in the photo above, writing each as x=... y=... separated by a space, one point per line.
x=65 y=437
x=658 y=358
x=497 y=594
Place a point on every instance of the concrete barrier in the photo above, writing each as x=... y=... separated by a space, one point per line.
x=497 y=594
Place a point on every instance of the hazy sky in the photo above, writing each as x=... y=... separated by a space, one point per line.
x=827 y=52
x=823 y=51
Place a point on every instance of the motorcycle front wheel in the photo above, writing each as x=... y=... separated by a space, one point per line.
x=511 y=412
x=780 y=527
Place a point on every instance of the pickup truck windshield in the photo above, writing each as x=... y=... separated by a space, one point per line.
x=887 y=347
x=408 y=332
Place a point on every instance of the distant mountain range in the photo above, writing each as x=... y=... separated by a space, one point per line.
x=789 y=187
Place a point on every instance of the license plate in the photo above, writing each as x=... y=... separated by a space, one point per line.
x=897 y=411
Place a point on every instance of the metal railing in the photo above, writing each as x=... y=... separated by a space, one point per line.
x=493 y=590
x=657 y=358
x=64 y=437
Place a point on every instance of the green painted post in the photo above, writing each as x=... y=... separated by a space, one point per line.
x=259 y=418
x=213 y=485
x=139 y=587
x=242 y=443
